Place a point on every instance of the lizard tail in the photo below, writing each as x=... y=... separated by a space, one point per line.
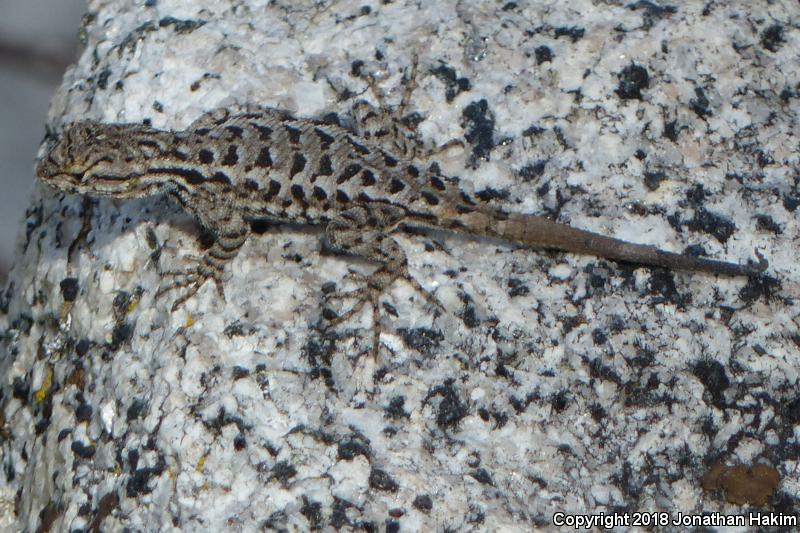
x=540 y=232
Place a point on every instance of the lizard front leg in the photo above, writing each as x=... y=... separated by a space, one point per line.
x=229 y=232
x=365 y=231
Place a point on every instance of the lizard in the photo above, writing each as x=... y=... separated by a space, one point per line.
x=230 y=168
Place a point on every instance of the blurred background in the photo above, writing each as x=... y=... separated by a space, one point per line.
x=38 y=40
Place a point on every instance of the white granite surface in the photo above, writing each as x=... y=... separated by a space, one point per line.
x=552 y=383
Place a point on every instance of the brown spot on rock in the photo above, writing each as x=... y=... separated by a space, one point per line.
x=742 y=485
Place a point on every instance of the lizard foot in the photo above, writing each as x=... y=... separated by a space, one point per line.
x=370 y=293
x=192 y=280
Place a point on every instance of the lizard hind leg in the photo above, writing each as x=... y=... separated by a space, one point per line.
x=229 y=234
x=365 y=231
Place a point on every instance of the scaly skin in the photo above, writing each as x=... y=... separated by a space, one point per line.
x=228 y=169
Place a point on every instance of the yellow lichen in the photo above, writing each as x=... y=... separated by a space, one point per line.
x=41 y=394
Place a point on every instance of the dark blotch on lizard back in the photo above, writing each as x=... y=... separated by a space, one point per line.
x=358 y=147
x=294 y=134
x=250 y=185
x=298 y=192
x=274 y=189
x=146 y=143
x=467 y=199
x=298 y=164
x=235 y=131
x=341 y=196
x=319 y=193
x=455 y=225
x=325 y=166
x=349 y=171
x=437 y=183
x=231 y=157
x=220 y=177
x=264 y=159
x=429 y=197
x=179 y=155
x=325 y=140
x=389 y=160
x=264 y=132
x=396 y=186
x=367 y=178
x=192 y=177
x=206 y=156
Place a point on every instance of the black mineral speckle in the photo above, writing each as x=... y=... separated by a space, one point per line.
x=661 y=285
x=697 y=195
x=653 y=179
x=488 y=194
x=533 y=170
x=573 y=32
x=20 y=388
x=516 y=287
x=481 y=476
x=395 y=409
x=712 y=224
x=759 y=286
x=352 y=445
x=102 y=79
x=83 y=413
x=470 y=317
x=69 y=289
x=791 y=202
x=121 y=333
x=767 y=223
x=700 y=103
x=181 y=26
x=136 y=410
x=772 y=38
x=454 y=85
x=82 y=450
x=82 y=347
x=632 y=81
x=599 y=336
x=451 y=409
x=423 y=340
x=713 y=377
x=478 y=121
x=283 y=471
x=543 y=54
x=313 y=512
x=339 y=517
x=139 y=481
x=652 y=11
x=671 y=130
x=239 y=372
x=560 y=401
x=381 y=480
x=423 y=502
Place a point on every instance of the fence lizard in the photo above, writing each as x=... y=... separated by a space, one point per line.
x=228 y=169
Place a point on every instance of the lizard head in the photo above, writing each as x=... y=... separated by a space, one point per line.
x=101 y=160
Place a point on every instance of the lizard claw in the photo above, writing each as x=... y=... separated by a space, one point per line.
x=192 y=280
x=362 y=296
x=430 y=298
